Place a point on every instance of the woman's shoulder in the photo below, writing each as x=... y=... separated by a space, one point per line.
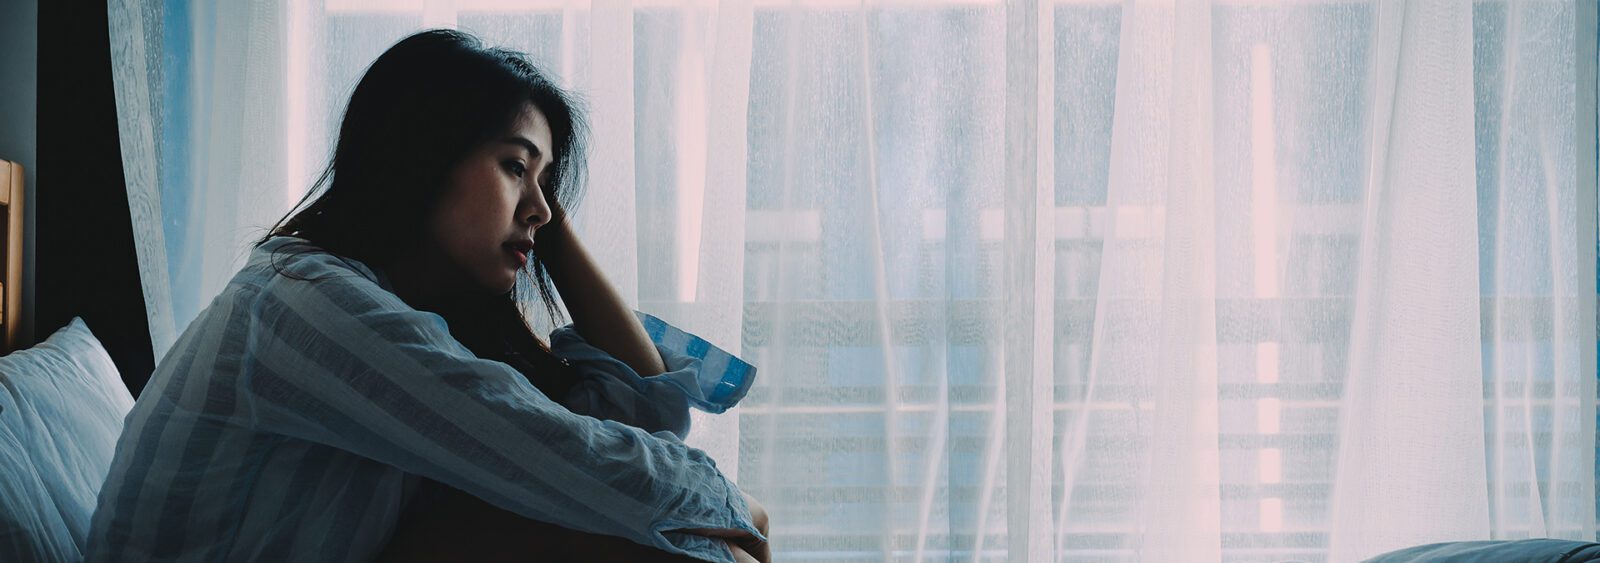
x=299 y=259
x=290 y=268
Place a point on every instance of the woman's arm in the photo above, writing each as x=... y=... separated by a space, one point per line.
x=606 y=322
x=343 y=362
x=598 y=312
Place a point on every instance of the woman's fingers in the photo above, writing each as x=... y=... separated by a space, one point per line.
x=758 y=517
x=761 y=552
x=758 y=513
x=745 y=547
x=742 y=556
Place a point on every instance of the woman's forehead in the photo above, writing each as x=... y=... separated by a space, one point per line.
x=532 y=125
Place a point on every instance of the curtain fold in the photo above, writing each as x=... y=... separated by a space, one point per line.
x=1155 y=328
x=137 y=83
x=1538 y=326
x=1414 y=360
x=1026 y=280
x=1023 y=435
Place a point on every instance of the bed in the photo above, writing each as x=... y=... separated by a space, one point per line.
x=11 y=254
x=61 y=408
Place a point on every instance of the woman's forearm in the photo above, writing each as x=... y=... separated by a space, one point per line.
x=598 y=312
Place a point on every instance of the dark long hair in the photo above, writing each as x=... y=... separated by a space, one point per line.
x=422 y=107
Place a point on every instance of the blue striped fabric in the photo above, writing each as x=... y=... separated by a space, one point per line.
x=292 y=419
x=733 y=377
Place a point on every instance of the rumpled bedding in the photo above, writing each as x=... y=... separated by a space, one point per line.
x=1542 y=550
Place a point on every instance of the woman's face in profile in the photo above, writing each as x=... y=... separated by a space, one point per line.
x=494 y=203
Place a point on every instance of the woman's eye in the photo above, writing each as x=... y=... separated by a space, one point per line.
x=516 y=168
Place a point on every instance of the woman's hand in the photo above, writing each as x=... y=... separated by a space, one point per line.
x=549 y=241
x=761 y=551
x=740 y=555
x=745 y=547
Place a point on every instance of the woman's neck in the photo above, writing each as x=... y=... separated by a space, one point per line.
x=420 y=281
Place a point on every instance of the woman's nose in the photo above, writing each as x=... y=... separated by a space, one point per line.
x=537 y=213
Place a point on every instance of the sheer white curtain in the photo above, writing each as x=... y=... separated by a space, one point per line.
x=1034 y=280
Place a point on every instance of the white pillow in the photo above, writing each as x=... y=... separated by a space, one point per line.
x=62 y=404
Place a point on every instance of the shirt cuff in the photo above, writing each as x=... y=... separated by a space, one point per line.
x=722 y=378
x=698 y=375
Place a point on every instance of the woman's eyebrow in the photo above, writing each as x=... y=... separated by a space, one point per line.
x=533 y=150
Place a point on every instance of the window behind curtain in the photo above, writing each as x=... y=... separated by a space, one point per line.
x=853 y=457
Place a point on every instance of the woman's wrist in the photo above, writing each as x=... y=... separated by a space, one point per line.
x=597 y=311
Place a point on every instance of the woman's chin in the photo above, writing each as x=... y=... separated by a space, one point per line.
x=507 y=283
x=498 y=282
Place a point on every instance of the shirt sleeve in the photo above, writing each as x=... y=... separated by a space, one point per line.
x=343 y=362
x=698 y=375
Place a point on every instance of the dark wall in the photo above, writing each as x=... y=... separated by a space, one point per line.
x=83 y=245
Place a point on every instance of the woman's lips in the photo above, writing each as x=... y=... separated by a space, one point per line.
x=518 y=256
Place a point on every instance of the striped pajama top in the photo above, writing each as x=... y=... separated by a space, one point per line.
x=293 y=419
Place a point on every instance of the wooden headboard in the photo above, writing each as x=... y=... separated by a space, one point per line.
x=11 y=254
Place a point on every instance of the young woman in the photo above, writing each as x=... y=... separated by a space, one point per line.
x=366 y=386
